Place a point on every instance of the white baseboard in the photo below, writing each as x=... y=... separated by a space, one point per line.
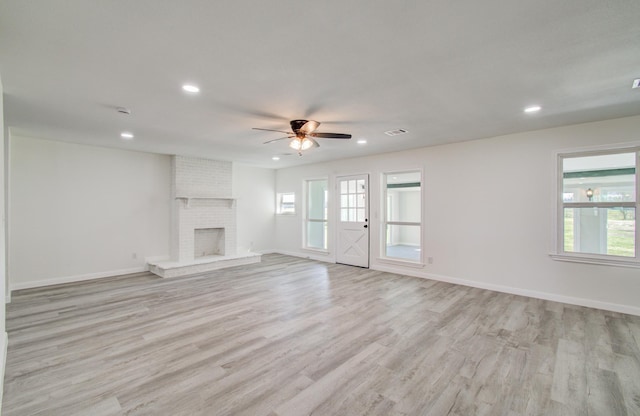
x=4 y=343
x=589 y=303
x=327 y=258
x=76 y=278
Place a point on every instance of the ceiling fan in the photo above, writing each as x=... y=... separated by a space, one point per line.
x=303 y=135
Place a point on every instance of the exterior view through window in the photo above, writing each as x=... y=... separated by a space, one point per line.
x=286 y=204
x=599 y=204
x=316 y=216
x=403 y=216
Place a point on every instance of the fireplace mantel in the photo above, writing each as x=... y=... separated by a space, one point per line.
x=187 y=199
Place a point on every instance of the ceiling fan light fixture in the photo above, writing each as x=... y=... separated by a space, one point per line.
x=300 y=144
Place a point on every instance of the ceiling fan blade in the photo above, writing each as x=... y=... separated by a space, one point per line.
x=275 y=140
x=279 y=131
x=309 y=126
x=330 y=135
x=315 y=143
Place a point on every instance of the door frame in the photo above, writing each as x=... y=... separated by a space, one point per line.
x=337 y=208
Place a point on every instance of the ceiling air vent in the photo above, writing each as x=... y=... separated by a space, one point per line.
x=395 y=132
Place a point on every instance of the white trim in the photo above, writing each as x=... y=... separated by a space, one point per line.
x=328 y=258
x=316 y=250
x=599 y=149
x=382 y=223
x=589 y=303
x=76 y=278
x=4 y=343
x=402 y=263
x=338 y=213
x=611 y=261
x=559 y=253
x=7 y=297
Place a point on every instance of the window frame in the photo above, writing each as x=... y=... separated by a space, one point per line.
x=384 y=220
x=305 y=214
x=558 y=234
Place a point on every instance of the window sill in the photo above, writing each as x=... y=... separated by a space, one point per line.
x=400 y=262
x=619 y=262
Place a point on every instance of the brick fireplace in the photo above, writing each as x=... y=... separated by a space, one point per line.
x=203 y=219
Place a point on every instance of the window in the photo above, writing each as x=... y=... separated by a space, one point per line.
x=597 y=206
x=286 y=204
x=402 y=216
x=316 y=214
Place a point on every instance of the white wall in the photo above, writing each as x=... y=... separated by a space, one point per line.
x=80 y=212
x=488 y=214
x=255 y=210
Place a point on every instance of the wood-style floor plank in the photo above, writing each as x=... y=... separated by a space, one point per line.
x=290 y=336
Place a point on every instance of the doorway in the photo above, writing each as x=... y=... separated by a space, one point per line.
x=353 y=220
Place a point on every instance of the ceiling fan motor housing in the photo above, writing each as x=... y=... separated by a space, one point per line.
x=296 y=125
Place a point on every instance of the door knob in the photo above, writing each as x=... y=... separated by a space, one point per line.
x=365 y=226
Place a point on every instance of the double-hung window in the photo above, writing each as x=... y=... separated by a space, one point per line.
x=315 y=230
x=597 y=207
x=402 y=216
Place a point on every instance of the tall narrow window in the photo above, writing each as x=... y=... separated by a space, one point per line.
x=403 y=216
x=598 y=205
x=316 y=214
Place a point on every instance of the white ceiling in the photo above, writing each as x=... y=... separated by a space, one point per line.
x=444 y=70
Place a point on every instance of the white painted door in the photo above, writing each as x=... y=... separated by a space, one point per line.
x=353 y=220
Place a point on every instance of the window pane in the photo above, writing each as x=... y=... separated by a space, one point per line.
x=603 y=178
x=316 y=199
x=317 y=234
x=360 y=185
x=286 y=203
x=403 y=242
x=352 y=186
x=360 y=214
x=344 y=214
x=404 y=204
x=343 y=187
x=403 y=198
x=608 y=231
x=352 y=214
x=352 y=201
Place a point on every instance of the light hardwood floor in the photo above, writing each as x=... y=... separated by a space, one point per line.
x=291 y=336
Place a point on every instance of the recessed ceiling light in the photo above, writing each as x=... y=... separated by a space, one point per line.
x=362 y=141
x=275 y=158
x=126 y=135
x=532 y=109
x=190 y=88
